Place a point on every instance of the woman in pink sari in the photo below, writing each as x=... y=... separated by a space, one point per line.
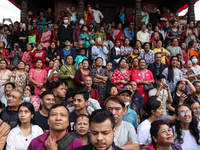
x=46 y=37
x=147 y=75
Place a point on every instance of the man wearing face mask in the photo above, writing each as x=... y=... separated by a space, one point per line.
x=130 y=115
x=65 y=32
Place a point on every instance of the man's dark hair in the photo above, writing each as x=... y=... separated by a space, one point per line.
x=84 y=92
x=55 y=106
x=54 y=85
x=195 y=82
x=160 y=76
x=70 y=92
x=101 y=115
x=158 y=53
x=117 y=100
x=46 y=93
x=12 y=84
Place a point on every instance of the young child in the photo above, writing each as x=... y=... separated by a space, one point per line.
x=134 y=53
x=155 y=37
x=79 y=58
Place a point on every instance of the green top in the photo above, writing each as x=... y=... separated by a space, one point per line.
x=63 y=75
x=103 y=35
x=86 y=43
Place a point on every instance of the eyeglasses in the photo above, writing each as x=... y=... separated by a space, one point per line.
x=183 y=113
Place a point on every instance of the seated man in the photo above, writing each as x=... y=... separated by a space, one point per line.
x=126 y=137
x=47 y=101
x=58 y=89
x=9 y=114
x=80 y=102
x=9 y=86
x=130 y=115
x=58 y=136
x=102 y=123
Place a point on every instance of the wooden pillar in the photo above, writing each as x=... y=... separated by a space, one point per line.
x=24 y=10
x=137 y=15
x=81 y=8
x=191 y=15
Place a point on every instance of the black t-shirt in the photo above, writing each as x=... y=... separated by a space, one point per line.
x=72 y=118
x=41 y=121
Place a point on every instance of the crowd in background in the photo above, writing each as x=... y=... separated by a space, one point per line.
x=76 y=82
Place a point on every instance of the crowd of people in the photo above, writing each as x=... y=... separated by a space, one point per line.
x=83 y=84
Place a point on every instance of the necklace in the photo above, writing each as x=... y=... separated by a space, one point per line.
x=2 y=74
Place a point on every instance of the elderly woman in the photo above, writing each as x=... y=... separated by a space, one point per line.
x=122 y=75
x=82 y=73
x=68 y=71
x=100 y=76
x=186 y=132
x=142 y=76
x=162 y=137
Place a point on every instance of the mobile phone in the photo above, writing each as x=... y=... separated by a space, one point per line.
x=90 y=8
x=67 y=6
x=109 y=26
x=23 y=25
x=17 y=47
x=55 y=64
x=99 y=39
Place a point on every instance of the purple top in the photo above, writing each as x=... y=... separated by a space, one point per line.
x=38 y=143
x=77 y=31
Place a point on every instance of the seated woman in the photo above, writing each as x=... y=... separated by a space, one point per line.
x=162 y=137
x=161 y=49
x=122 y=75
x=29 y=97
x=191 y=76
x=116 y=54
x=20 y=137
x=180 y=94
x=134 y=54
x=54 y=72
x=154 y=110
x=195 y=67
x=46 y=37
x=172 y=73
x=118 y=34
x=138 y=44
x=82 y=73
x=82 y=128
x=101 y=33
x=68 y=71
x=174 y=49
x=126 y=49
x=52 y=53
x=186 y=132
x=142 y=76
x=113 y=93
x=26 y=56
x=20 y=77
x=183 y=70
x=38 y=76
x=4 y=72
x=38 y=53
x=193 y=51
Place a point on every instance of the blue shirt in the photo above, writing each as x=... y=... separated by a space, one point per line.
x=149 y=57
x=129 y=34
x=99 y=53
x=66 y=53
x=73 y=17
x=131 y=117
x=79 y=59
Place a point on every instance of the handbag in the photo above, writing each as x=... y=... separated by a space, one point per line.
x=167 y=61
x=146 y=87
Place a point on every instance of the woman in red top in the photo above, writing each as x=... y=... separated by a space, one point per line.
x=183 y=47
x=26 y=56
x=148 y=78
x=39 y=53
x=121 y=76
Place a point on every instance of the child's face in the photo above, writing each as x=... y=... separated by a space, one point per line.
x=113 y=91
x=82 y=52
x=135 y=51
x=109 y=66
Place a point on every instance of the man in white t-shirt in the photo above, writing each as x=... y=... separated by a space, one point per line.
x=98 y=17
x=126 y=137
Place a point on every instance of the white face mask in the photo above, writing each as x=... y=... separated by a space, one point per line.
x=127 y=103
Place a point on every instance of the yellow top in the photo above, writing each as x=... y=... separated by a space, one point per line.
x=163 y=57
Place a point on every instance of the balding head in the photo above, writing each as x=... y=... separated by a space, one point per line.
x=88 y=81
